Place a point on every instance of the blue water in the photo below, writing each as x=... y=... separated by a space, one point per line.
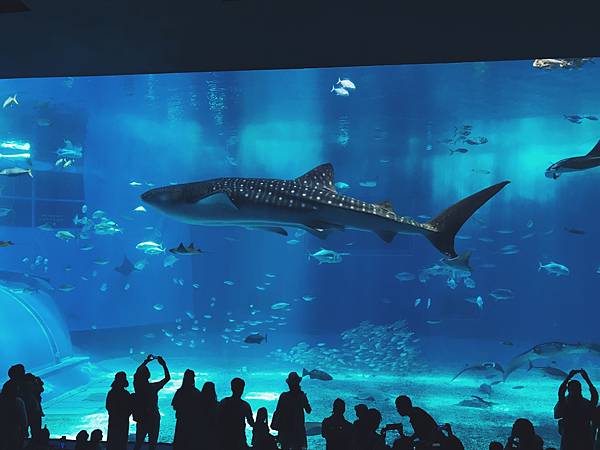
x=176 y=128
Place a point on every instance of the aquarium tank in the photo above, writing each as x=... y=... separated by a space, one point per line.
x=353 y=224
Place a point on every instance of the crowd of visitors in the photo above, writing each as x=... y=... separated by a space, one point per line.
x=205 y=423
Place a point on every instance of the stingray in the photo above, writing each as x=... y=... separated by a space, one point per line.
x=126 y=267
x=476 y=402
x=183 y=250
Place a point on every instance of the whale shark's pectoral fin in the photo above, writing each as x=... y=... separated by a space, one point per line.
x=320 y=176
x=322 y=229
x=219 y=199
x=595 y=152
x=277 y=230
x=387 y=236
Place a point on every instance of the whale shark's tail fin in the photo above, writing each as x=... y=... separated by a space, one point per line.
x=449 y=221
x=595 y=152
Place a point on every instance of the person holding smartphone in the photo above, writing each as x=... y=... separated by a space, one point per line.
x=145 y=402
x=523 y=437
x=575 y=413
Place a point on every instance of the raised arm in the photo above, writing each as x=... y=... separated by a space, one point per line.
x=167 y=376
x=562 y=390
x=593 y=390
x=146 y=361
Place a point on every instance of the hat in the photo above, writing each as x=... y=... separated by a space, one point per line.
x=293 y=378
x=120 y=380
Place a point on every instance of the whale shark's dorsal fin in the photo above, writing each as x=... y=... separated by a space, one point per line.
x=321 y=176
x=595 y=152
x=386 y=204
x=181 y=248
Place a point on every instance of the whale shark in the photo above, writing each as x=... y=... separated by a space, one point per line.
x=310 y=202
x=575 y=163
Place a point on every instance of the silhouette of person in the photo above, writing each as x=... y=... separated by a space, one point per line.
x=523 y=437
x=288 y=418
x=336 y=430
x=41 y=441
x=576 y=413
x=29 y=389
x=95 y=440
x=13 y=417
x=360 y=425
x=374 y=440
x=16 y=374
x=449 y=440
x=145 y=408
x=119 y=406
x=207 y=417
x=426 y=431
x=596 y=428
x=262 y=439
x=81 y=440
x=186 y=403
x=232 y=415
x=495 y=445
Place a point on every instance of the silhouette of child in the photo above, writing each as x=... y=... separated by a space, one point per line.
x=81 y=440
x=262 y=439
x=95 y=440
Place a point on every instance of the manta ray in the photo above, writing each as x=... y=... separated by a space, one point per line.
x=309 y=202
x=575 y=163
x=483 y=367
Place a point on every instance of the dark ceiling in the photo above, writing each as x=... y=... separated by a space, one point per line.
x=84 y=37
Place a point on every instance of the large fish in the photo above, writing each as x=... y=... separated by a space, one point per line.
x=309 y=202
x=575 y=163
x=483 y=367
x=547 y=350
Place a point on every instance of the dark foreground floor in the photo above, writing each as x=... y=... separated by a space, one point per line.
x=56 y=443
